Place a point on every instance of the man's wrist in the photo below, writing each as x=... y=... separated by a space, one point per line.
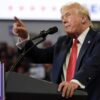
x=80 y=84
x=21 y=42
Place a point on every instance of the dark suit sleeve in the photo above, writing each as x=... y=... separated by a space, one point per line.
x=90 y=68
x=38 y=55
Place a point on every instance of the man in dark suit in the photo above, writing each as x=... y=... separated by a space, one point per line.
x=78 y=26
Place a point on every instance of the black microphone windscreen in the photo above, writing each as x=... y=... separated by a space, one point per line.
x=52 y=30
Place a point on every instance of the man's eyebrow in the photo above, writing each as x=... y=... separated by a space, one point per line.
x=66 y=14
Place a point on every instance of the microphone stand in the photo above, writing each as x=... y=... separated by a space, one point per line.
x=20 y=58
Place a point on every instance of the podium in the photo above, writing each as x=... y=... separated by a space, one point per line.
x=22 y=87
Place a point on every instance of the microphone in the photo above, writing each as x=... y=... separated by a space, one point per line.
x=44 y=33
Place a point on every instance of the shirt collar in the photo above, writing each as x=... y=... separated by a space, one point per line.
x=83 y=35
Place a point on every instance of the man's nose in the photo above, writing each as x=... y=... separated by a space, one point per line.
x=64 y=21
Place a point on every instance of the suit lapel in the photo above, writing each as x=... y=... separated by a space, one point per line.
x=60 y=58
x=85 y=47
x=65 y=49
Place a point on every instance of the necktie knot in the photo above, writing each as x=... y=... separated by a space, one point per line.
x=75 y=41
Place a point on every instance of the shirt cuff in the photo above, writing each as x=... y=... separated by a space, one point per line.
x=80 y=84
x=21 y=43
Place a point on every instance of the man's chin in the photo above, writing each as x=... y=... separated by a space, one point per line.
x=71 y=35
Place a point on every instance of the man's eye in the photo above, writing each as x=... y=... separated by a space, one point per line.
x=68 y=14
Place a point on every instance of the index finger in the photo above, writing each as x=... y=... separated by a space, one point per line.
x=18 y=21
x=61 y=85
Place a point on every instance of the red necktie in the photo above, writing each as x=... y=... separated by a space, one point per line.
x=72 y=61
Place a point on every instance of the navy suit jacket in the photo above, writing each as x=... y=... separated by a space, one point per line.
x=88 y=62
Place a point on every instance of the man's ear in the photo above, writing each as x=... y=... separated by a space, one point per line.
x=83 y=20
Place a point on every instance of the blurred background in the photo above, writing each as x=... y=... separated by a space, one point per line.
x=38 y=15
